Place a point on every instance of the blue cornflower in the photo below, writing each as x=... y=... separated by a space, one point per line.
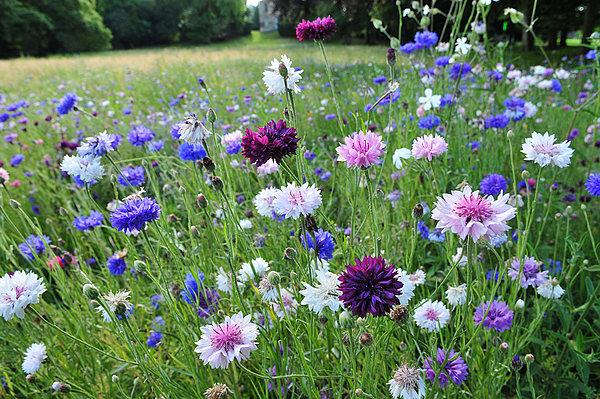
x=514 y=103
x=378 y=80
x=155 y=300
x=329 y=117
x=492 y=275
x=132 y=176
x=134 y=213
x=154 y=339
x=158 y=323
x=325 y=243
x=99 y=145
x=33 y=244
x=498 y=240
x=590 y=55
x=426 y=39
x=4 y=117
x=493 y=184
x=191 y=152
x=140 y=135
x=556 y=86
x=592 y=184
x=88 y=223
x=436 y=235
x=553 y=266
x=447 y=100
x=116 y=264
x=499 y=121
x=16 y=160
x=155 y=146
x=326 y=175
x=409 y=48
x=474 y=145
x=428 y=122
x=423 y=230
x=442 y=61
x=175 y=135
x=460 y=69
x=205 y=298
x=67 y=103
x=309 y=155
x=495 y=75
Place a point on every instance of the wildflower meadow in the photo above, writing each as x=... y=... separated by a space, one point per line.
x=269 y=218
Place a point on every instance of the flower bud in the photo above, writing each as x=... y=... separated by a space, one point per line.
x=525 y=174
x=208 y=164
x=504 y=346
x=289 y=253
x=90 y=291
x=345 y=319
x=201 y=201
x=273 y=277
x=311 y=224
x=211 y=115
x=365 y=339
x=529 y=358
x=216 y=182
x=391 y=56
x=115 y=378
x=358 y=392
x=283 y=71
x=399 y=313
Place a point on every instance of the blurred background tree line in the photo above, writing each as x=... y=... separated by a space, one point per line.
x=40 y=27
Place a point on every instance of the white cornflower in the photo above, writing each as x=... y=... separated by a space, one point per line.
x=543 y=150
x=294 y=201
x=323 y=295
x=408 y=287
x=418 y=277
x=399 y=155
x=432 y=316
x=224 y=281
x=88 y=170
x=530 y=109
x=268 y=291
x=430 y=100
x=264 y=201
x=462 y=46
x=426 y=10
x=267 y=168
x=520 y=304
x=192 y=130
x=457 y=295
x=232 y=138
x=562 y=74
x=245 y=224
x=34 y=356
x=275 y=82
x=118 y=301
x=289 y=304
x=460 y=258
x=442 y=47
x=407 y=383
x=550 y=289
x=253 y=270
x=478 y=27
x=17 y=291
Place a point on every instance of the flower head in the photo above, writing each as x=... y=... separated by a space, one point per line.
x=325 y=294
x=98 y=145
x=457 y=295
x=455 y=369
x=318 y=29
x=370 y=286
x=88 y=170
x=467 y=213
x=140 y=135
x=191 y=152
x=17 y=291
x=34 y=244
x=407 y=383
x=429 y=147
x=275 y=82
x=273 y=141
x=528 y=271
x=67 y=103
x=432 y=316
x=134 y=213
x=494 y=315
x=428 y=122
x=550 y=289
x=592 y=184
x=88 y=223
x=361 y=149
x=132 y=176
x=324 y=243
x=293 y=201
x=205 y=298
x=233 y=339
x=543 y=150
x=34 y=357
x=116 y=263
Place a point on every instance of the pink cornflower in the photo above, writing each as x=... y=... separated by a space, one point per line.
x=4 y=176
x=429 y=146
x=233 y=339
x=319 y=29
x=467 y=213
x=361 y=149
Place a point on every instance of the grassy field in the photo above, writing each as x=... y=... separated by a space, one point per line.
x=198 y=263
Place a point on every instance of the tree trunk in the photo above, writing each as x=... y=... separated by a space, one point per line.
x=589 y=20
x=563 y=39
x=525 y=36
x=552 y=40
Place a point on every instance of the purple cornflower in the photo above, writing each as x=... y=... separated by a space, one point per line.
x=116 y=263
x=134 y=213
x=493 y=184
x=191 y=152
x=273 y=141
x=325 y=243
x=88 y=223
x=572 y=134
x=454 y=368
x=592 y=184
x=495 y=75
x=140 y=135
x=528 y=271
x=428 y=122
x=196 y=294
x=590 y=55
x=318 y=29
x=33 y=244
x=378 y=80
x=495 y=315
x=309 y=155
x=154 y=339
x=67 y=103
x=499 y=121
x=132 y=176
x=369 y=286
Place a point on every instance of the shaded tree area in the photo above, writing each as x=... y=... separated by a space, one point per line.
x=40 y=27
x=554 y=19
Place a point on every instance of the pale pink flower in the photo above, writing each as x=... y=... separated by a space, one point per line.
x=4 y=176
x=361 y=149
x=467 y=213
x=429 y=146
x=232 y=339
x=544 y=150
x=293 y=201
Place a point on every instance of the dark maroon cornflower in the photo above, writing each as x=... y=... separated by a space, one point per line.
x=273 y=141
x=370 y=286
x=319 y=29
